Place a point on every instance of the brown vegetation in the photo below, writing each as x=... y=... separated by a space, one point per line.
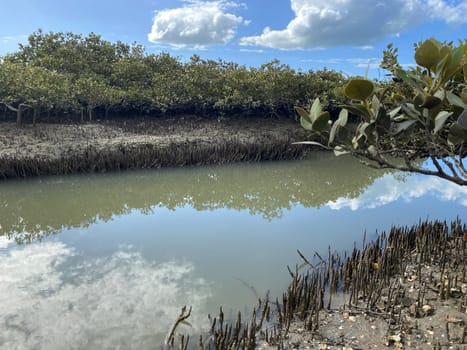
x=108 y=146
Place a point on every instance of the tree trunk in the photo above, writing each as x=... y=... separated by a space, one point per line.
x=34 y=116
x=90 y=113
x=19 y=115
x=82 y=114
x=19 y=111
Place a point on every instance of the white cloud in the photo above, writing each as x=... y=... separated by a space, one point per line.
x=14 y=39
x=122 y=301
x=252 y=50
x=388 y=189
x=365 y=62
x=357 y=62
x=196 y=24
x=450 y=11
x=354 y=22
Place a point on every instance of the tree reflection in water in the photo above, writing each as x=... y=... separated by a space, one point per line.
x=33 y=208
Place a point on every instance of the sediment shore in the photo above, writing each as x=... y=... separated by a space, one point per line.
x=49 y=149
x=405 y=290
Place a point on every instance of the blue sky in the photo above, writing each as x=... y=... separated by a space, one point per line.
x=345 y=35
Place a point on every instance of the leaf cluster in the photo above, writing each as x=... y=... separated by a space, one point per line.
x=421 y=113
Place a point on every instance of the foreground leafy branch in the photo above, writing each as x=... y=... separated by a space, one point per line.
x=422 y=114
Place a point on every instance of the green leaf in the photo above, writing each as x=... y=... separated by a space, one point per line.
x=409 y=109
x=457 y=134
x=411 y=78
x=392 y=114
x=440 y=67
x=457 y=54
x=367 y=130
x=464 y=95
x=358 y=141
x=428 y=54
x=321 y=121
x=359 y=89
x=454 y=140
x=375 y=104
x=340 y=151
x=399 y=118
x=427 y=101
x=462 y=119
x=440 y=120
x=444 y=50
x=453 y=66
x=306 y=124
x=403 y=126
x=315 y=110
x=359 y=110
x=383 y=121
x=441 y=94
x=455 y=100
x=340 y=122
x=303 y=113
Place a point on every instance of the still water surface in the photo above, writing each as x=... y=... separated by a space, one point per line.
x=106 y=261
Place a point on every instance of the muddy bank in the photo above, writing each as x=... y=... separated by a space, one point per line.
x=418 y=301
x=48 y=149
x=405 y=290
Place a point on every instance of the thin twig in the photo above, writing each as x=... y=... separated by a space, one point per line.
x=182 y=317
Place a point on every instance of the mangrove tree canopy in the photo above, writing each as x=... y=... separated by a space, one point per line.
x=421 y=114
x=70 y=74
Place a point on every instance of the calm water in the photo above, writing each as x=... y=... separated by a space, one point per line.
x=106 y=261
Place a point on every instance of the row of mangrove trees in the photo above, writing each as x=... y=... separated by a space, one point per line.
x=70 y=74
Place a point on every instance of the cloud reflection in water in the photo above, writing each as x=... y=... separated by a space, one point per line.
x=388 y=189
x=48 y=303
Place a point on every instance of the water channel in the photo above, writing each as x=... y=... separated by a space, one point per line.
x=106 y=261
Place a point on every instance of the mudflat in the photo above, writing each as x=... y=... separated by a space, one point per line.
x=49 y=148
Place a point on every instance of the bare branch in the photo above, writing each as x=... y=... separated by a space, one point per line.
x=383 y=163
x=10 y=107
x=450 y=166
x=436 y=164
x=182 y=317
x=13 y=109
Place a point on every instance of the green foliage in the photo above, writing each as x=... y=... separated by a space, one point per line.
x=359 y=89
x=62 y=72
x=315 y=119
x=428 y=54
x=422 y=113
